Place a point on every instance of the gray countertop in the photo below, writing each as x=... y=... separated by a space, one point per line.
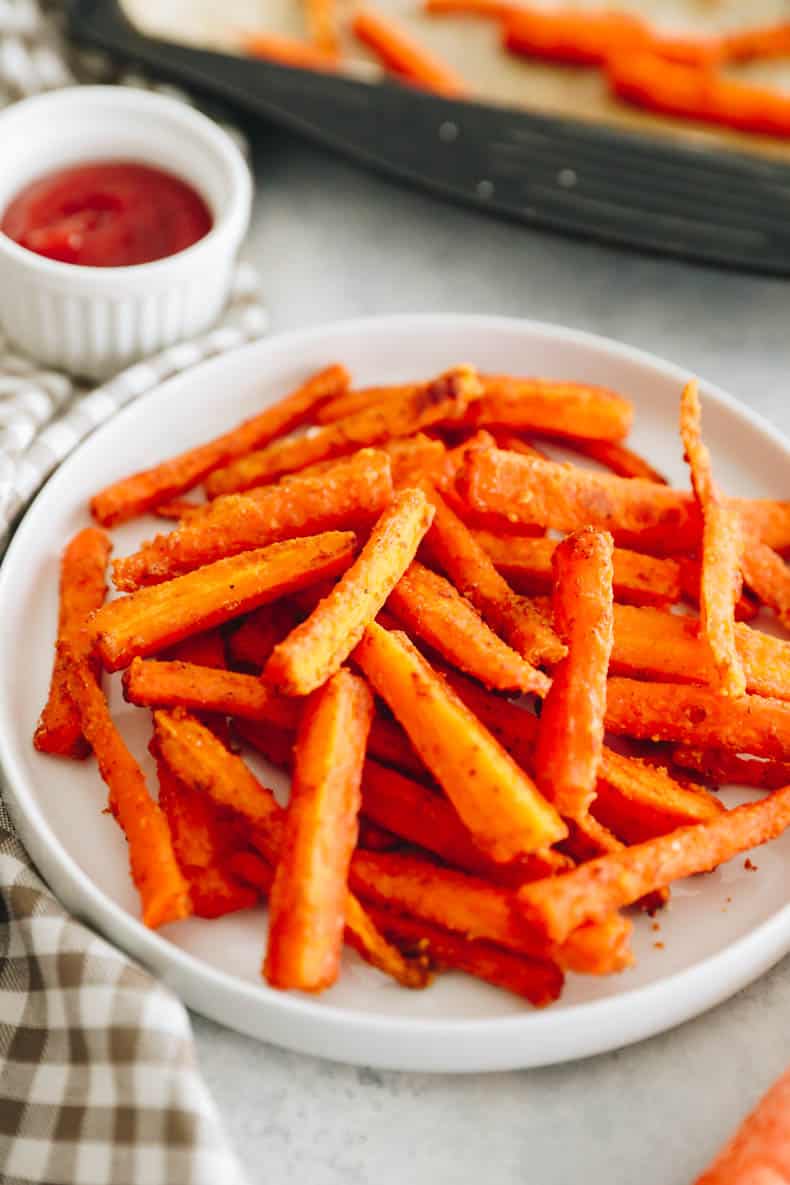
x=334 y=242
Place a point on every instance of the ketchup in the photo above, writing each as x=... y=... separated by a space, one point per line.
x=107 y=214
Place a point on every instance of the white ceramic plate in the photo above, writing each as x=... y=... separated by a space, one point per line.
x=721 y=931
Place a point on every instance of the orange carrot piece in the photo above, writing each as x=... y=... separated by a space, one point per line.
x=637 y=801
x=525 y=563
x=453 y=546
x=616 y=457
x=746 y=607
x=306 y=907
x=653 y=644
x=389 y=744
x=317 y=648
x=373 y=838
x=751 y=724
x=554 y=408
x=768 y=576
x=348 y=495
x=638 y=513
x=686 y=92
x=321 y=19
x=516 y=444
x=725 y=768
x=444 y=398
x=722 y=547
x=202 y=650
x=415 y=457
x=769 y=41
x=570 y=737
x=469 y=906
x=177 y=508
x=259 y=633
x=83 y=586
x=432 y=609
x=590 y=892
x=290 y=51
x=146 y=490
x=400 y=53
x=538 y=982
x=515 y=728
x=489 y=8
x=570 y=37
x=153 y=684
x=152 y=619
x=359 y=400
x=759 y=1152
x=411 y=811
x=164 y=892
x=273 y=743
x=496 y=800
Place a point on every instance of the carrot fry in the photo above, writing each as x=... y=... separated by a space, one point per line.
x=307 y=903
x=373 y=838
x=638 y=513
x=525 y=563
x=751 y=724
x=153 y=618
x=316 y=649
x=146 y=490
x=444 y=398
x=273 y=743
x=722 y=547
x=570 y=737
x=478 y=910
x=516 y=444
x=768 y=577
x=164 y=892
x=359 y=400
x=769 y=41
x=290 y=51
x=203 y=762
x=177 y=508
x=259 y=633
x=202 y=650
x=726 y=769
x=431 y=608
x=556 y=409
x=615 y=457
x=590 y=892
x=759 y=1152
x=538 y=982
x=83 y=586
x=588 y=838
x=650 y=643
x=415 y=457
x=746 y=607
x=455 y=549
x=349 y=494
x=638 y=801
x=401 y=54
x=389 y=744
x=422 y=817
x=153 y=684
x=495 y=799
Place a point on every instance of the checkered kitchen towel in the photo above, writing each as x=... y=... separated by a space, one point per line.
x=98 y=1081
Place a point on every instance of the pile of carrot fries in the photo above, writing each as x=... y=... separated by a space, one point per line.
x=505 y=688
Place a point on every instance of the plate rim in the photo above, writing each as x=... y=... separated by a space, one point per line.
x=705 y=984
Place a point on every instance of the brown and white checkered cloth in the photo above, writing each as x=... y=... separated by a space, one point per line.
x=98 y=1080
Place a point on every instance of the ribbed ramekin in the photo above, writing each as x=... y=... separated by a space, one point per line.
x=93 y=321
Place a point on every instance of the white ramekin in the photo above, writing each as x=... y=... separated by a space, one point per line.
x=93 y=321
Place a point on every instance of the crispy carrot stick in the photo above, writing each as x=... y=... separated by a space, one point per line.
x=83 y=587
x=638 y=513
x=202 y=842
x=517 y=444
x=684 y=91
x=317 y=648
x=307 y=903
x=348 y=495
x=590 y=892
x=750 y=724
x=538 y=982
x=722 y=547
x=153 y=618
x=422 y=817
x=359 y=400
x=196 y=756
x=152 y=684
x=570 y=737
x=432 y=609
x=259 y=633
x=495 y=799
x=759 y=1152
x=273 y=743
x=456 y=550
x=653 y=644
x=177 y=508
x=617 y=458
x=769 y=41
x=389 y=744
x=144 y=491
x=203 y=650
x=592 y=38
x=525 y=562
x=401 y=54
x=768 y=577
x=444 y=398
x=725 y=768
x=415 y=457
x=164 y=892
x=290 y=51
x=478 y=910
x=553 y=408
x=746 y=606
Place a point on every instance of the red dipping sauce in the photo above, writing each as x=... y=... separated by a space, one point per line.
x=107 y=214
